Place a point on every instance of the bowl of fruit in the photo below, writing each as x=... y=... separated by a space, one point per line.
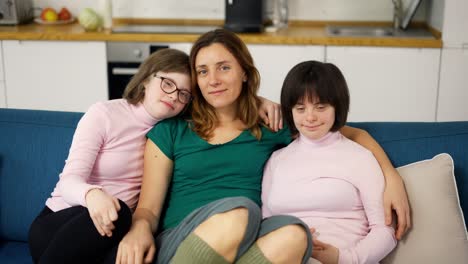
x=49 y=16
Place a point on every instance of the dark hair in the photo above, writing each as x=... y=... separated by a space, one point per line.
x=165 y=60
x=315 y=80
x=203 y=114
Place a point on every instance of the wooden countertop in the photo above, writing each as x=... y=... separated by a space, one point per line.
x=296 y=34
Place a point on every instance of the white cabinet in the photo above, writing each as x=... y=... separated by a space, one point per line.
x=54 y=75
x=2 y=74
x=453 y=91
x=453 y=86
x=274 y=62
x=2 y=95
x=2 y=80
x=389 y=84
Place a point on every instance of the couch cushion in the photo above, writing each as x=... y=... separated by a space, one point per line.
x=33 y=148
x=438 y=233
x=15 y=253
x=407 y=142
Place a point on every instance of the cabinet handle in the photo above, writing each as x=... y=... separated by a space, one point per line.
x=124 y=71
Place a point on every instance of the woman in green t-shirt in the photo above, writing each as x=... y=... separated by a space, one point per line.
x=202 y=176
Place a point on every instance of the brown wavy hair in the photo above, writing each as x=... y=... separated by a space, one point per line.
x=165 y=60
x=204 y=119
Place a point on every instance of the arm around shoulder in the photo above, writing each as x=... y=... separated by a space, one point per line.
x=395 y=197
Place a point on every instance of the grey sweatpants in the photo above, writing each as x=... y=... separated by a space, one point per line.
x=168 y=241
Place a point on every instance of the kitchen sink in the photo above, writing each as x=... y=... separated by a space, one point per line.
x=379 y=32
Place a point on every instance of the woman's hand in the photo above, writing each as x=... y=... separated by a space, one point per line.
x=103 y=210
x=270 y=113
x=325 y=253
x=137 y=246
x=395 y=198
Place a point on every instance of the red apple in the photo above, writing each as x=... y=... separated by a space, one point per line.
x=64 y=14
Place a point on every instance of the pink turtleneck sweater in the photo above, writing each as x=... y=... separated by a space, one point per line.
x=335 y=186
x=106 y=153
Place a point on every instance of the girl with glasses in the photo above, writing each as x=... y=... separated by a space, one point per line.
x=90 y=209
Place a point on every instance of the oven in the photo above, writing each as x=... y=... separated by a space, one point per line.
x=124 y=58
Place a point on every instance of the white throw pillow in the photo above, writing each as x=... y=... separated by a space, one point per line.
x=438 y=233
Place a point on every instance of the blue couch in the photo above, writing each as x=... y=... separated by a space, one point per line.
x=34 y=145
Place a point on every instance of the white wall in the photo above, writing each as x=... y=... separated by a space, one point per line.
x=362 y=10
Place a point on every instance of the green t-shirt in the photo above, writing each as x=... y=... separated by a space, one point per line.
x=204 y=172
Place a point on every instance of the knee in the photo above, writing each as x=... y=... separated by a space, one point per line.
x=287 y=244
x=293 y=235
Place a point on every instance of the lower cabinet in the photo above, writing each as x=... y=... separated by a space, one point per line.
x=2 y=80
x=274 y=62
x=389 y=84
x=54 y=75
x=386 y=84
x=453 y=85
x=2 y=95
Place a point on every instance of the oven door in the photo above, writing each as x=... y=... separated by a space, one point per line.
x=118 y=76
x=123 y=60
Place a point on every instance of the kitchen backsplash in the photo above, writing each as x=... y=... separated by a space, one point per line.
x=361 y=10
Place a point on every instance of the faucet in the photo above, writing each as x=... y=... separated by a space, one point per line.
x=397 y=13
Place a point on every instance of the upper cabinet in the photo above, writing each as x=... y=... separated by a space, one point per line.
x=389 y=84
x=274 y=62
x=54 y=75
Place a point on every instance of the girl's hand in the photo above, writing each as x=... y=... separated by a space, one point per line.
x=325 y=253
x=395 y=198
x=270 y=113
x=103 y=210
x=137 y=246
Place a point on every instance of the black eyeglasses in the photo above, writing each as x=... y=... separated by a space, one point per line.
x=168 y=86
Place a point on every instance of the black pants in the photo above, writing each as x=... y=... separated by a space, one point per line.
x=69 y=236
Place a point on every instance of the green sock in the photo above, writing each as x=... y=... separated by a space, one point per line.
x=253 y=255
x=194 y=250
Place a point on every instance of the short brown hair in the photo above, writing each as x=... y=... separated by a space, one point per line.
x=165 y=60
x=314 y=79
x=203 y=115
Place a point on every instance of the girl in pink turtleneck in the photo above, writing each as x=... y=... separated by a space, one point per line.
x=330 y=182
x=89 y=211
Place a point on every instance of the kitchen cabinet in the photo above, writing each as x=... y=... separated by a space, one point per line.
x=389 y=84
x=274 y=62
x=2 y=80
x=54 y=75
x=453 y=86
x=453 y=91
